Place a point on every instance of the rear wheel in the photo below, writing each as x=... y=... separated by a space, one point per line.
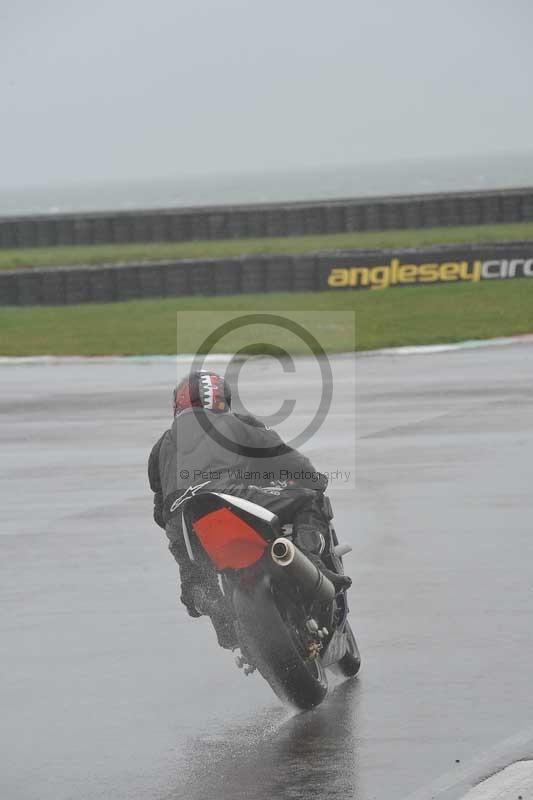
x=275 y=648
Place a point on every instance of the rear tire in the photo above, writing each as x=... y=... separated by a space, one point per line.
x=274 y=649
x=350 y=664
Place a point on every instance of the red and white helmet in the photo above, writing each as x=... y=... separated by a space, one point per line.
x=202 y=390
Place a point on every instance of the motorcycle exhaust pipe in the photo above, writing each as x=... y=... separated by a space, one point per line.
x=318 y=589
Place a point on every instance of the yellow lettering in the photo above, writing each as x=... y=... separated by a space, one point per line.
x=407 y=273
x=449 y=271
x=359 y=276
x=463 y=271
x=394 y=264
x=428 y=273
x=338 y=277
x=476 y=271
x=379 y=277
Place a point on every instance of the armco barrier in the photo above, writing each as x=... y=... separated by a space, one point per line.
x=343 y=270
x=274 y=219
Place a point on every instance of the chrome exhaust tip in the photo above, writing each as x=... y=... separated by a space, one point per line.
x=283 y=552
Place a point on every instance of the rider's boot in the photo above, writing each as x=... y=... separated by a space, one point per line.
x=340 y=582
x=208 y=600
x=200 y=592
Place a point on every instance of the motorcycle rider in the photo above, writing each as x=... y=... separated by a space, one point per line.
x=209 y=448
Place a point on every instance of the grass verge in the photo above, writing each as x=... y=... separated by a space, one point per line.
x=157 y=251
x=393 y=317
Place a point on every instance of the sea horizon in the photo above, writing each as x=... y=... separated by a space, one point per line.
x=401 y=177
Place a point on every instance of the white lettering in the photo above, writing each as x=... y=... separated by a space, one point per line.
x=513 y=266
x=486 y=269
x=528 y=268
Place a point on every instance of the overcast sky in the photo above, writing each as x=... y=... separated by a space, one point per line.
x=122 y=89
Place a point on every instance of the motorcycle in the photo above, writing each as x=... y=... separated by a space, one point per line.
x=289 y=622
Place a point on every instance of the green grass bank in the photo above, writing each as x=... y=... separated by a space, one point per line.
x=158 y=251
x=388 y=318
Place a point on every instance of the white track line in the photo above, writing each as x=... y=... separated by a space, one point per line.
x=509 y=784
x=448 y=785
x=219 y=358
x=430 y=349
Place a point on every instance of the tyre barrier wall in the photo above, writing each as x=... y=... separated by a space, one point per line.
x=275 y=219
x=341 y=270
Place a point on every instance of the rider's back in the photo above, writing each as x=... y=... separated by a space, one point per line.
x=202 y=445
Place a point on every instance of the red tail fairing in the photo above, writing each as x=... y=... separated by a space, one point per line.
x=229 y=542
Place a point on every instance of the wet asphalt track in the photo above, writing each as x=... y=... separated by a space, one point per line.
x=108 y=689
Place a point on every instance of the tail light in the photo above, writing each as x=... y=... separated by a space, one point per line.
x=228 y=540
